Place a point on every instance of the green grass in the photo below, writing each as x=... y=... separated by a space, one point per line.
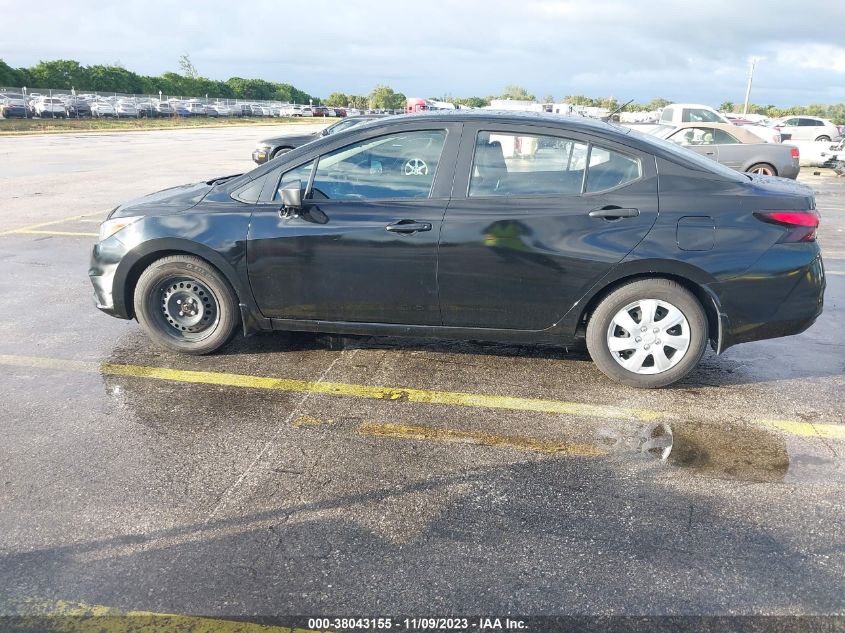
x=47 y=126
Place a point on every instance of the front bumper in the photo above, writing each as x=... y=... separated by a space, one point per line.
x=781 y=295
x=105 y=258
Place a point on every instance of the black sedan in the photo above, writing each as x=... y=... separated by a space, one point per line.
x=270 y=148
x=504 y=227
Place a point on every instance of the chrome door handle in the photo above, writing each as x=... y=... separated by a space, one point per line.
x=408 y=226
x=614 y=213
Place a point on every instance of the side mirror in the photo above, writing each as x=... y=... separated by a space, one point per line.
x=291 y=200
x=292 y=196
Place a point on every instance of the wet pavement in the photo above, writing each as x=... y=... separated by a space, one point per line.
x=310 y=475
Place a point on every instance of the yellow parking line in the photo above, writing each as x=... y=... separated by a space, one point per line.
x=78 y=617
x=43 y=224
x=807 y=429
x=60 y=233
x=418 y=432
x=420 y=396
x=396 y=394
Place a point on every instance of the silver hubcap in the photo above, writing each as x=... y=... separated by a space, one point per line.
x=649 y=336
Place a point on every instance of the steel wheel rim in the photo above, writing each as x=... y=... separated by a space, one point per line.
x=648 y=336
x=186 y=308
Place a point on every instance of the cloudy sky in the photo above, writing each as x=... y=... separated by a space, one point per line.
x=626 y=49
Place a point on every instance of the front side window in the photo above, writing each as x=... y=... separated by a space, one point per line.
x=399 y=165
x=526 y=164
x=610 y=169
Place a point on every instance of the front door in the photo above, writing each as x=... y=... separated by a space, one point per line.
x=537 y=218
x=364 y=247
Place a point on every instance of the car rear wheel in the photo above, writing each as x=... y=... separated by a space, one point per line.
x=185 y=305
x=762 y=168
x=648 y=333
x=823 y=138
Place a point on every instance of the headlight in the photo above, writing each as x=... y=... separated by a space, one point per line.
x=110 y=227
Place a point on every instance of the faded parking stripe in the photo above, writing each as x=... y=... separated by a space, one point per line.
x=78 y=617
x=40 y=225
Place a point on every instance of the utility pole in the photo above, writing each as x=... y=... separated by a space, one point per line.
x=748 y=89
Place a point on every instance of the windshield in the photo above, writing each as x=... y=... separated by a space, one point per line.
x=689 y=156
x=661 y=131
x=341 y=125
x=699 y=115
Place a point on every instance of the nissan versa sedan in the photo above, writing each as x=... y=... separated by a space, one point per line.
x=270 y=148
x=524 y=228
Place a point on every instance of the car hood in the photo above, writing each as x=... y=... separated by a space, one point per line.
x=293 y=139
x=166 y=201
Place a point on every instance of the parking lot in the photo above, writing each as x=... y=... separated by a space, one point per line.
x=296 y=474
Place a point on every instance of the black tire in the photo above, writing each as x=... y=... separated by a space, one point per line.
x=823 y=137
x=663 y=290
x=280 y=151
x=172 y=281
x=762 y=168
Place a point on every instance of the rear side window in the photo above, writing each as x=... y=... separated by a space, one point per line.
x=610 y=169
x=526 y=164
x=666 y=115
x=723 y=138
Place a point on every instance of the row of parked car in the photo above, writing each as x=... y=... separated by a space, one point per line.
x=37 y=105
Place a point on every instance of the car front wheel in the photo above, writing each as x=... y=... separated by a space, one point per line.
x=647 y=333
x=185 y=305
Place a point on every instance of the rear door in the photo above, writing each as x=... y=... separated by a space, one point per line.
x=530 y=228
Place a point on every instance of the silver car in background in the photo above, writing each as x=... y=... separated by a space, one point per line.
x=734 y=147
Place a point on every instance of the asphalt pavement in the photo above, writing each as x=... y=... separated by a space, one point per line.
x=296 y=474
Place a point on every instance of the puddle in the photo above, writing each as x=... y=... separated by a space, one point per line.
x=740 y=452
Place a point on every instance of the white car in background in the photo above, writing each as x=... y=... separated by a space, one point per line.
x=677 y=113
x=102 y=109
x=126 y=109
x=808 y=128
x=49 y=107
x=195 y=108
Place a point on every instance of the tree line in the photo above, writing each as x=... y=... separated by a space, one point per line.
x=63 y=74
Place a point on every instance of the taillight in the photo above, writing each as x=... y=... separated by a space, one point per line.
x=801 y=225
x=794 y=152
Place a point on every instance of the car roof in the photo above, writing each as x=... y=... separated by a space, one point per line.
x=572 y=123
